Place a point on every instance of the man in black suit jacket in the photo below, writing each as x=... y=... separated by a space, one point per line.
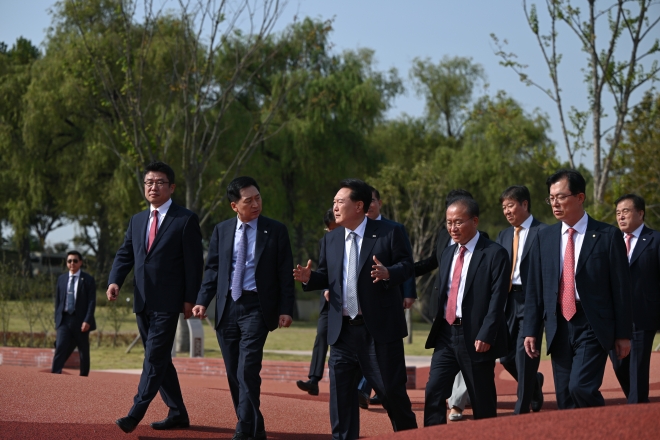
x=75 y=301
x=579 y=287
x=363 y=263
x=516 y=206
x=248 y=269
x=469 y=331
x=163 y=246
x=643 y=247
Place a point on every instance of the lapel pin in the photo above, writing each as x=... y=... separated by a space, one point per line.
x=594 y=235
x=643 y=239
x=265 y=232
x=373 y=236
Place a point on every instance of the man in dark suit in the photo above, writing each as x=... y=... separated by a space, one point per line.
x=643 y=248
x=363 y=263
x=248 y=269
x=163 y=246
x=469 y=331
x=320 y=349
x=75 y=301
x=579 y=287
x=517 y=240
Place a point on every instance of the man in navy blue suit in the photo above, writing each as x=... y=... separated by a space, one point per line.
x=248 y=269
x=163 y=246
x=643 y=248
x=579 y=287
x=362 y=263
x=75 y=301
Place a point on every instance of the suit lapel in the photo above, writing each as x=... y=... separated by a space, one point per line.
x=167 y=221
x=368 y=242
x=263 y=232
x=477 y=255
x=445 y=267
x=644 y=240
x=142 y=220
x=508 y=241
x=591 y=237
x=531 y=235
x=230 y=228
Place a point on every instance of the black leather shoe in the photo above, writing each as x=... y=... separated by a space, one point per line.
x=261 y=435
x=537 y=395
x=127 y=424
x=172 y=423
x=363 y=399
x=375 y=400
x=240 y=436
x=311 y=386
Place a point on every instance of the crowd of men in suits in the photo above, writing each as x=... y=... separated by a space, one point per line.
x=594 y=289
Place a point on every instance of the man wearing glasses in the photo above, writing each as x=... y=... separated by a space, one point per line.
x=163 y=246
x=579 y=287
x=75 y=301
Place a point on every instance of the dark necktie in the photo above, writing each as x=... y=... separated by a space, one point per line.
x=567 y=283
x=351 y=281
x=450 y=314
x=239 y=270
x=154 y=229
x=70 y=297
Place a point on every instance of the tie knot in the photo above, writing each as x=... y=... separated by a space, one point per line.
x=462 y=251
x=518 y=229
x=244 y=226
x=154 y=213
x=571 y=231
x=629 y=235
x=352 y=236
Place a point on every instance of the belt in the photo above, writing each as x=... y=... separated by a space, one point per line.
x=457 y=321
x=516 y=288
x=358 y=320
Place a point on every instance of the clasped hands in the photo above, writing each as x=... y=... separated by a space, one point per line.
x=378 y=272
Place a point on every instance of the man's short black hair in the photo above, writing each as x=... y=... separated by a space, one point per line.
x=235 y=186
x=76 y=253
x=576 y=183
x=455 y=193
x=160 y=167
x=329 y=217
x=638 y=202
x=375 y=193
x=360 y=191
x=468 y=202
x=520 y=193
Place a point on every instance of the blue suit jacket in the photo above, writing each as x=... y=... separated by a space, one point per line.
x=85 y=299
x=602 y=278
x=484 y=298
x=273 y=269
x=171 y=272
x=645 y=280
x=380 y=302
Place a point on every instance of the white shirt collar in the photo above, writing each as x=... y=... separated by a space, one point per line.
x=580 y=227
x=380 y=217
x=359 y=230
x=470 y=245
x=162 y=209
x=637 y=232
x=74 y=274
x=252 y=223
x=527 y=223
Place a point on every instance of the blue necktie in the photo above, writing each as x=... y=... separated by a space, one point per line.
x=351 y=282
x=239 y=270
x=70 y=299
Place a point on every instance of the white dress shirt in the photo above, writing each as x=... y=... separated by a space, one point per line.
x=522 y=237
x=578 y=238
x=359 y=231
x=467 y=257
x=162 y=212
x=633 y=241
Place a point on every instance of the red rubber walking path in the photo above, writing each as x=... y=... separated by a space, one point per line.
x=35 y=404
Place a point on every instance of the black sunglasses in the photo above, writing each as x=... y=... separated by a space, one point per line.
x=71 y=261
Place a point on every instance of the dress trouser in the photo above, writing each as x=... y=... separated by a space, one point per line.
x=69 y=336
x=449 y=357
x=383 y=364
x=633 y=371
x=459 y=395
x=157 y=330
x=320 y=349
x=578 y=362
x=242 y=334
x=522 y=367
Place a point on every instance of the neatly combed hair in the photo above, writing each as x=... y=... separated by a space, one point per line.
x=468 y=202
x=160 y=167
x=235 y=186
x=76 y=253
x=329 y=217
x=638 y=202
x=519 y=193
x=576 y=183
x=456 y=193
x=360 y=191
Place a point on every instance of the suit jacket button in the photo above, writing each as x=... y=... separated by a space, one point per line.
x=436 y=288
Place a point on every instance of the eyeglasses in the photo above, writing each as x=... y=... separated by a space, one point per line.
x=558 y=198
x=624 y=211
x=72 y=261
x=158 y=183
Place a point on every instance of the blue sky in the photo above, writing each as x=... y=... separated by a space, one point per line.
x=399 y=31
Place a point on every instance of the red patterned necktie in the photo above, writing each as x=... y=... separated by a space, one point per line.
x=628 y=240
x=154 y=229
x=450 y=314
x=567 y=283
